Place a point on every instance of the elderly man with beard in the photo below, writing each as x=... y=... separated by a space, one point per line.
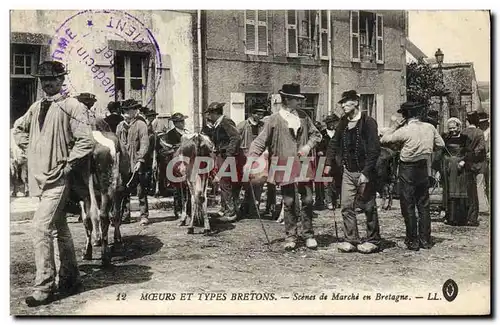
x=356 y=147
x=57 y=135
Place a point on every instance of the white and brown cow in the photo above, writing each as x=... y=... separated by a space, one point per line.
x=197 y=176
x=108 y=173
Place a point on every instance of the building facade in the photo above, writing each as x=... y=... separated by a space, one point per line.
x=250 y=54
x=157 y=69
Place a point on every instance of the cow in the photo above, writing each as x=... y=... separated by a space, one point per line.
x=193 y=146
x=386 y=168
x=18 y=168
x=109 y=170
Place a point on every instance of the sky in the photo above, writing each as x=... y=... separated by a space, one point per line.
x=463 y=36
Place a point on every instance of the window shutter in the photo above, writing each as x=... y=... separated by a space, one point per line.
x=250 y=32
x=380 y=110
x=324 y=35
x=237 y=107
x=355 y=48
x=291 y=32
x=262 y=32
x=380 y=39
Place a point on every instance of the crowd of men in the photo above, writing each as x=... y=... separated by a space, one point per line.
x=57 y=130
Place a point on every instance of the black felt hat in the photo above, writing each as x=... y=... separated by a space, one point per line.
x=291 y=90
x=473 y=117
x=130 y=104
x=411 y=106
x=259 y=108
x=178 y=117
x=349 y=95
x=214 y=106
x=50 y=69
x=331 y=118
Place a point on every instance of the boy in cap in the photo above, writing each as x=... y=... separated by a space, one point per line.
x=478 y=150
x=137 y=148
x=289 y=135
x=420 y=140
x=356 y=147
x=57 y=135
x=227 y=140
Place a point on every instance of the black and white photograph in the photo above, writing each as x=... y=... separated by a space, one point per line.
x=250 y=162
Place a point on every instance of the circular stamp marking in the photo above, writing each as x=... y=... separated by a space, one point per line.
x=84 y=43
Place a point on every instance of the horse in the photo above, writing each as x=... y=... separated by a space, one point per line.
x=18 y=168
x=193 y=146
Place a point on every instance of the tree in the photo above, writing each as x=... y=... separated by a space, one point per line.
x=422 y=81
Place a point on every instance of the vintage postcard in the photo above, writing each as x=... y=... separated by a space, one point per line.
x=250 y=162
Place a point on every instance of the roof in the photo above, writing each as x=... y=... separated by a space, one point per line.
x=414 y=50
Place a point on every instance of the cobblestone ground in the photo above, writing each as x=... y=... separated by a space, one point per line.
x=163 y=257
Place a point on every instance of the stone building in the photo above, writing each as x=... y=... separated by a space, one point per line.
x=250 y=54
x=142 y=54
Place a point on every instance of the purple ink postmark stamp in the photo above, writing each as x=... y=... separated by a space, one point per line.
x=111 y=52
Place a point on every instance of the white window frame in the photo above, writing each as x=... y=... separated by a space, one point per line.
x=379 y=38
x=351 y=35
x=256 y=23
x=288 y=27
x=323 y=30
x=128 y=78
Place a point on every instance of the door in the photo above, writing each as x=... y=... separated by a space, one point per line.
x=22 y=95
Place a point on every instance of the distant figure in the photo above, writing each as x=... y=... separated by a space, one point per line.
x=114 y=117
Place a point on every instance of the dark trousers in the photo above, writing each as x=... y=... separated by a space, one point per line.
x=414 y=191
x=325 y=194
x=292 y=212
x=472 y=198
x=271 y=198
x=141 y=181
x=350 y=201
x=230 y=195
x=181 y=195
x=251 y=202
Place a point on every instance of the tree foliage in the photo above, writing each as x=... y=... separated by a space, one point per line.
x=422 y=81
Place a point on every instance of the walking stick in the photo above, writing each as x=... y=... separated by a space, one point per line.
x=258 y=215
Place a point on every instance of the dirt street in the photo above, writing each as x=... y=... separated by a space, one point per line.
x=162 y=257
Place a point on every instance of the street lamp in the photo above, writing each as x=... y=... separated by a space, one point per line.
x=439 y=59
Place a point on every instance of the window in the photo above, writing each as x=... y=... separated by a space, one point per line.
x=310 y=105
x=130 y=75
x=253 y=98
x=466 y=101
x=323 y=40
x=256 y=32
x=367 y=40
x=24 y=58
x=302 y=32
x=367 y=104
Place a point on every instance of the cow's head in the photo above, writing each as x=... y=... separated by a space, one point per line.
x=196 y=145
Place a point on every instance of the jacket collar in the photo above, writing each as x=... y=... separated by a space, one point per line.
x=219 y=120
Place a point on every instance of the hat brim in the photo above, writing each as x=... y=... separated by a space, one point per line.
x=125 y=108
x=413 y=108
x=37 y=75
x=179 y=119
x=345 y=99
x=292 y=95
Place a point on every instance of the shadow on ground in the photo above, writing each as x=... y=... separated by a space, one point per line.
x=97 y=277
x=136 y=246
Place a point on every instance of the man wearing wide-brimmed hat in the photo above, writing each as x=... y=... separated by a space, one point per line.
x=419 y=140
x=168 y=144
x=138 y=150
x=478 y=150
x=356 y=147
x=227 y=140
x=57 y=135
x=290 y=136
x=249 y=130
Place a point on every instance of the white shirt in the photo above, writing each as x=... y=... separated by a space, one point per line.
x=292 y=119
x=216 y=124
x=330 y=133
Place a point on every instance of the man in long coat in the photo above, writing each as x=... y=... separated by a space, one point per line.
x=290 y=135
x=478 y=150
x=227 y=140
x=249 y=130
x=57 y=135
x=138 y=150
